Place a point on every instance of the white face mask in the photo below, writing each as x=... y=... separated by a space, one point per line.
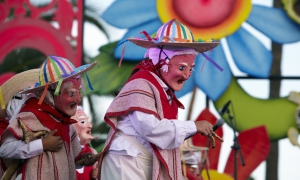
x=155 y=54
x=180 y=70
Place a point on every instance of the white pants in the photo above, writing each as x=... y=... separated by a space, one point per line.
x=120 y=167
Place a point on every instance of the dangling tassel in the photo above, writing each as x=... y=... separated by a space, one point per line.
x=1 y=99
x=212 y=61
x=147 y=35
x=122 y=55
x=124 y=42
x=43 y=94
x=89 y=82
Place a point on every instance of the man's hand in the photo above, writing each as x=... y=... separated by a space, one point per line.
x=52 y=143
x=87 y=159
x=94 y=174
x=204 y=127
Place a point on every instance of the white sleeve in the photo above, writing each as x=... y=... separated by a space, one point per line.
x=13 y=148
x=166 y=134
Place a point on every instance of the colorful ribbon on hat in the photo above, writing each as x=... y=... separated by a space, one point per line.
x=212 y=61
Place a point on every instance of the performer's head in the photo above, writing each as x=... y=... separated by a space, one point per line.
x=173 y=52
x=83 y=127
x=174 y=64
x=69 y=96
x=60 y=84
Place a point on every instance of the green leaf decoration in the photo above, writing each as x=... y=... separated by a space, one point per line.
x=99 y=148
x=106 y=77
x=102 y=128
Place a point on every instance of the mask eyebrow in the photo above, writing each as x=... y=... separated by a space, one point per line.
x=183 y=63
x=82 y=116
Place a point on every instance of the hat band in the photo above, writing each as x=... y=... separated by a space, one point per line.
x=170 y=39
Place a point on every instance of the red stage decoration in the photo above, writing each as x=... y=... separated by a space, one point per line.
x=255 y=147
x=24 y=28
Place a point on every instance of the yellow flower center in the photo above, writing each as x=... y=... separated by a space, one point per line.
x=206 y=18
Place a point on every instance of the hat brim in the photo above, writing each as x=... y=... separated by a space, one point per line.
x=198 y=46
x=193 y=148
x=16 y=84
x=35 y=89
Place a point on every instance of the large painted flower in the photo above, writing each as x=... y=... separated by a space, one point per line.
x=218 y=19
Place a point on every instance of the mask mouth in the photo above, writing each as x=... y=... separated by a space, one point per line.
x=180 y=81
x=89 y=132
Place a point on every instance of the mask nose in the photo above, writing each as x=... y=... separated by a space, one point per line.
x=187 y=74
x=78 y=97
x=88 y=124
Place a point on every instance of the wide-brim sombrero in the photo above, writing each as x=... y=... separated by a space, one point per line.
x=77 y=71
x=193 y=148
x=174 y=33
x=16 y=84
x=188 y=146
x=198 y=46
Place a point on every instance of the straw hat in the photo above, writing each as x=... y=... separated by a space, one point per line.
x=14 y=85
x=173 y=33
x=56 y=69
x=188 y=146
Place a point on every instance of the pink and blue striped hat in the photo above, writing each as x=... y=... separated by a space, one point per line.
x=173 y=33
x=56 y=69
